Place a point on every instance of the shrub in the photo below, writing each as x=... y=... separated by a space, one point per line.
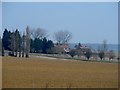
x=72 y=53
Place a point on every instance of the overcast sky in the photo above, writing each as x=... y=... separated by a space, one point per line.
x=89 y=22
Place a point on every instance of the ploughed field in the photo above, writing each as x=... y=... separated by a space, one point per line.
x=45 y=72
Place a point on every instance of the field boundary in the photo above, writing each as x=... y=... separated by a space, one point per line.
x=55 y=56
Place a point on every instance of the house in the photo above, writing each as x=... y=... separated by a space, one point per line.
x=62 y=48
x=81 y=49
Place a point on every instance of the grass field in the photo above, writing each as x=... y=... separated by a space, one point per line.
x=43 y=72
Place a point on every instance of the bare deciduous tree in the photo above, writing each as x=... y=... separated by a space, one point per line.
x=88 y=54
x=101 y=54
x=102 y=51
x=104 y=46
x=38 y=33
x=12 y=43
x=62 y=37
x=111 y=54
x=23 y=45
x=27 y=41
x=16 y=42
x=20 y=48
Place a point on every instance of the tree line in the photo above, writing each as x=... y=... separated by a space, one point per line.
x=14 y=42
x=35 y=41
x=102 y=52
x=20 y=45
x=32 y=40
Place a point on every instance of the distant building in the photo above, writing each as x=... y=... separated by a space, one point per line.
x=82 y=48
x=62 y=48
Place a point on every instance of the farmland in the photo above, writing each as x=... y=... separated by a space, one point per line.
x=45 y=72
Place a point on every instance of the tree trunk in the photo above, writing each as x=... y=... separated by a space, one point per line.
x=19 y=51
x=3 y=51
x=23 y=53
x=16 y=53
x=12 y=53
x=27 y=55
x=19 y=54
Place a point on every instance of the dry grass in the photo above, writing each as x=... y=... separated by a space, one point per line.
x=39 y=72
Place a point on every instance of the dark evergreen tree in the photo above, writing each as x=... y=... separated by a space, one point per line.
x=45 y=46
x=32 y=50
x=3 y=51
x=50 y=44
x=38 y=45
x=6 y=39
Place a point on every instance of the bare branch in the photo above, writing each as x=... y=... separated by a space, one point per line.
x=38 y=33
x=62 y=37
